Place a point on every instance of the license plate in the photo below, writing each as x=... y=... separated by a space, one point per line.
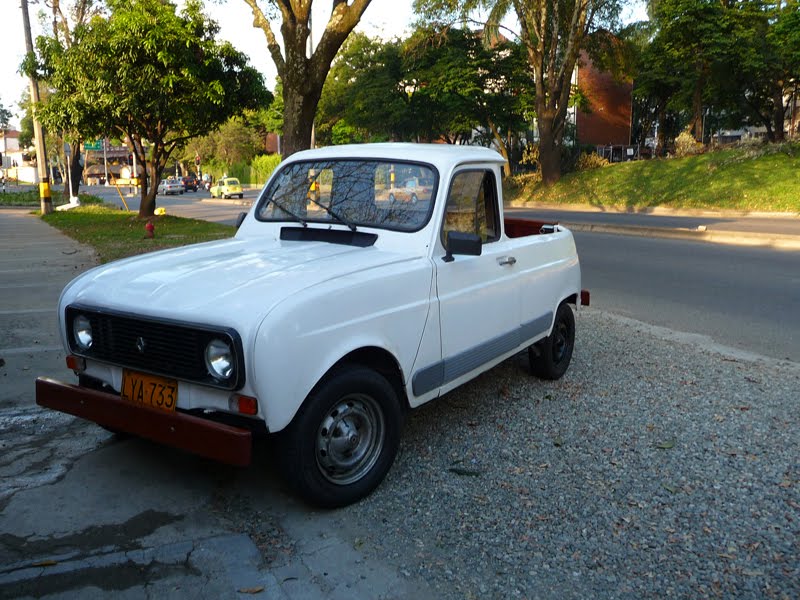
x=150 y=390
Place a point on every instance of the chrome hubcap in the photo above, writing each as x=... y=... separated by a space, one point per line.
x=349 y=439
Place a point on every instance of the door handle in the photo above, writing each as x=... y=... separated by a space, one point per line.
x=506 y=260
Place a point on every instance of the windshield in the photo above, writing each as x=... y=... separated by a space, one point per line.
x=370 y=193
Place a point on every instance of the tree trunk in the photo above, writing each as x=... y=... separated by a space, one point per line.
x=75 y=170
x=299 y=110
x=697 y=110
x=778 y=112
x=661 y=134
x=502 y=145
x=147 y=203
x=549 y=152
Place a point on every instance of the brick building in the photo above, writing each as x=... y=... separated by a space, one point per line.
x=608 y=120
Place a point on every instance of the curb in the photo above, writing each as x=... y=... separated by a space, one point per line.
x=655 y=210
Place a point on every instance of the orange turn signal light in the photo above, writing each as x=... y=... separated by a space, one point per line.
x=245 y=405
x=76 y=363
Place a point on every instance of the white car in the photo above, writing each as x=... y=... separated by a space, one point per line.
x=170 y=186
x=329 y=315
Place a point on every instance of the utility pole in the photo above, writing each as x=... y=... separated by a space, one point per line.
x=45 y=201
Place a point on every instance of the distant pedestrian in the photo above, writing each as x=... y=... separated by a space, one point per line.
x=3 y=179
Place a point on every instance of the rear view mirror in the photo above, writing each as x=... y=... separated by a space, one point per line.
x=240 y=219
x=460 y=242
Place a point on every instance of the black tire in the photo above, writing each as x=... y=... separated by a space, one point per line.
x=550 y=357
x=241 y=196
x=344 y=438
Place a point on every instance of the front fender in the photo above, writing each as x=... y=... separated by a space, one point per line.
x=304 y=336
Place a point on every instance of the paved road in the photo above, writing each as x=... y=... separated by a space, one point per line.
x=739 y=296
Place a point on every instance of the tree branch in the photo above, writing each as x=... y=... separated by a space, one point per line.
x=261 y=22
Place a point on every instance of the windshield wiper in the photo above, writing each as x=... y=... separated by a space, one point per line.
x=288 y=212
x=339 y=218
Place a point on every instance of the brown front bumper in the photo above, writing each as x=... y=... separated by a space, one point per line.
x=213 y=440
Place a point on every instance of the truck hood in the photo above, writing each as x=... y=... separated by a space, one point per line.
x=220 y=280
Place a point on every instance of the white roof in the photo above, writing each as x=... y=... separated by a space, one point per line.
x=441 y=155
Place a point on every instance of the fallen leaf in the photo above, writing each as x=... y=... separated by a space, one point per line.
x=252 y=590
x=666 y=445
x=558 y=442
x=670 y=488
x=45 y=563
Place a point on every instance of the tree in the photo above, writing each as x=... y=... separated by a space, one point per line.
x=65 y=19
x=5 y=117
x=236 y=142
x=149 y=75
x=364 y=98
x=553 y=32
x=302 y=77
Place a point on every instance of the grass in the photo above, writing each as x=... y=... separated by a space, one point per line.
x=115 y=234
x=31 y=198
x=763 y=178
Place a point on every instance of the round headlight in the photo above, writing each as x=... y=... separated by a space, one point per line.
x=82 y=331
x=219 y=359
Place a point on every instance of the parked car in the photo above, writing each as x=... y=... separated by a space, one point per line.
x=190 y=183
x=226 y=187
x=170 y=186
x=411 y=191
x=325 y=319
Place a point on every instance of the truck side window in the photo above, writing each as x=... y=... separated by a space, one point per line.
x=472 y=206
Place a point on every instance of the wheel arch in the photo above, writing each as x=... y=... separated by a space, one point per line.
x=377 y=359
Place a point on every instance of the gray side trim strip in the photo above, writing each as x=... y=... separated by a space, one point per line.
x=454 y=367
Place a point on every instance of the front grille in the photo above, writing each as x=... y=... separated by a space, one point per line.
x=156 y=346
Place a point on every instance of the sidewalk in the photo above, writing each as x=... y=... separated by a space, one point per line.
x=36 y=262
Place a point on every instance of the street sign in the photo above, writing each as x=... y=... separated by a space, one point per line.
x=96 y=145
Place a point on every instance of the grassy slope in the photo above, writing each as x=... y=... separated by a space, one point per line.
x=116 y=234
x=766 y=178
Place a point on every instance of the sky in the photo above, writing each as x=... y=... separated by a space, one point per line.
x=383 y=18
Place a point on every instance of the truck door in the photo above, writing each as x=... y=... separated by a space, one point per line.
x=478 y=296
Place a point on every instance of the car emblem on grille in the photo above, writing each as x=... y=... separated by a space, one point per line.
x=141 y=344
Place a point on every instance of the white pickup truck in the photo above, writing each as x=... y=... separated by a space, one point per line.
x=330 y=314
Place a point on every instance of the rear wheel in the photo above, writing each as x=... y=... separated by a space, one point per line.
x=550 y=357
x=344 y=439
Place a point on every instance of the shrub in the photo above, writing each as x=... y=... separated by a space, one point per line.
x=590 y=160
x=686 y=145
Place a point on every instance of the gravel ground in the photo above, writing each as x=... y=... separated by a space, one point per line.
x=655 y=468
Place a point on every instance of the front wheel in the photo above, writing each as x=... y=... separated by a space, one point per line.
x=550 y=357
x=344 y=439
